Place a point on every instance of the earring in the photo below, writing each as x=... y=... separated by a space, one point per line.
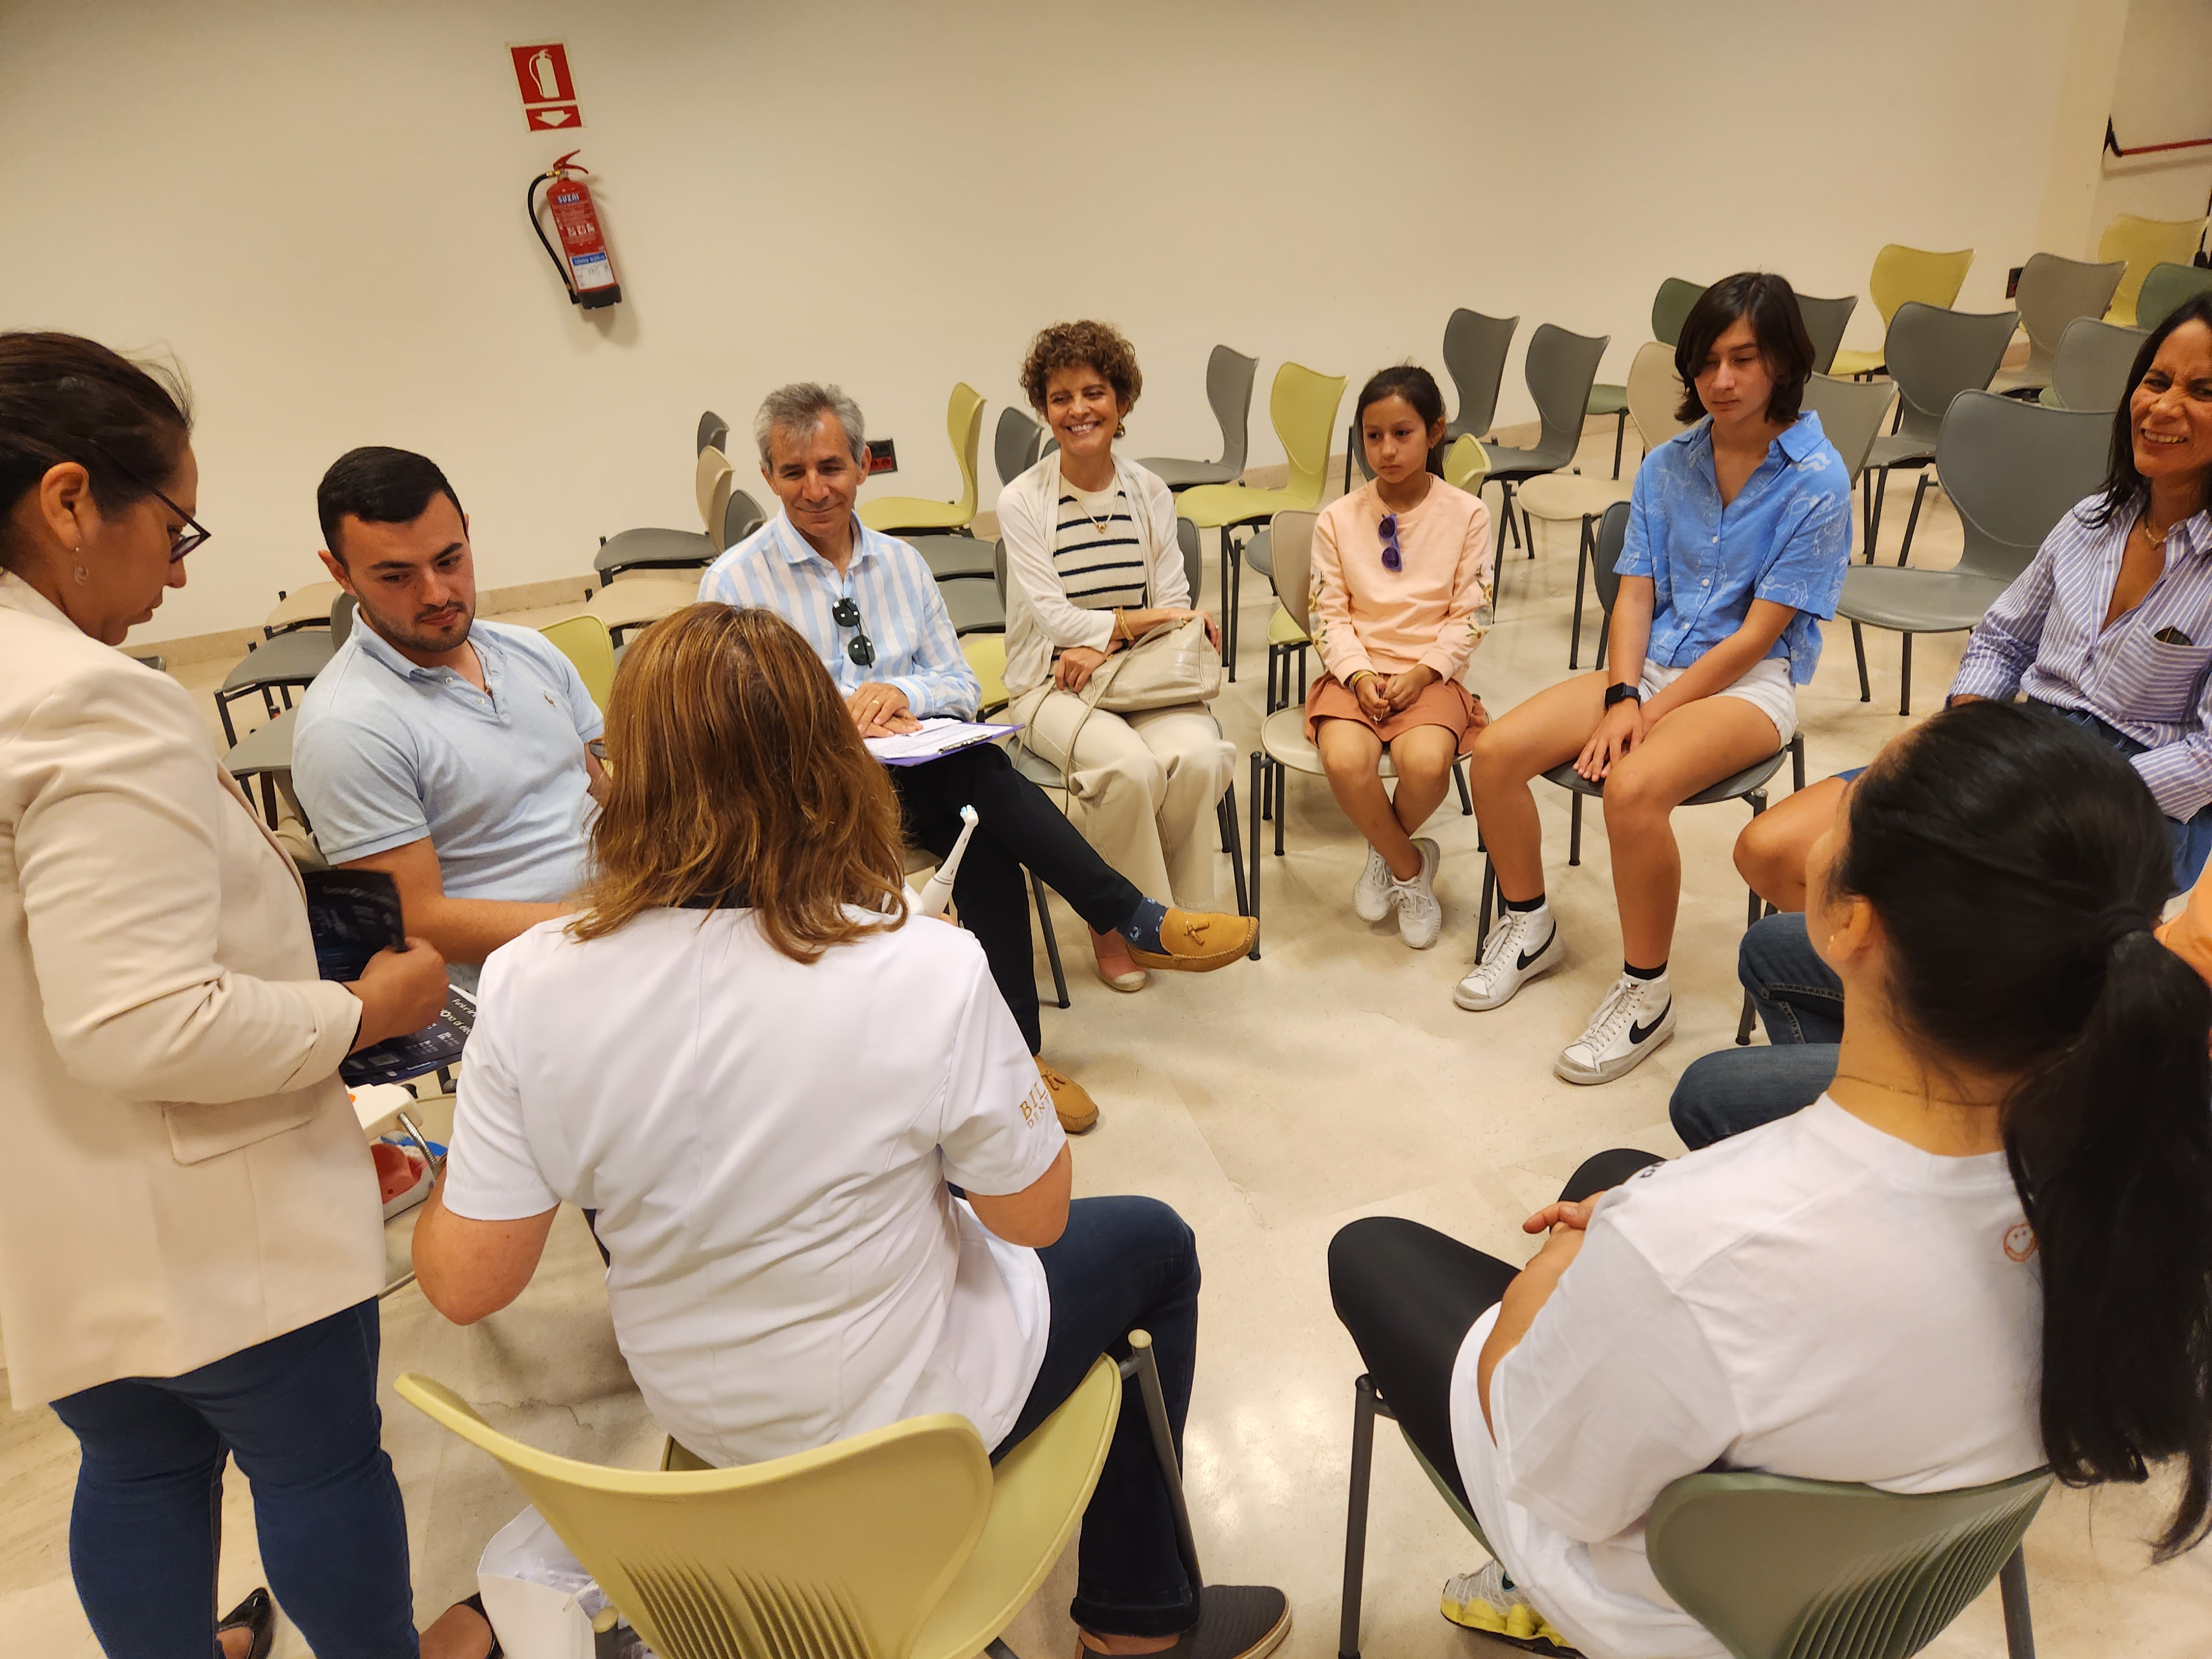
x=82 y=575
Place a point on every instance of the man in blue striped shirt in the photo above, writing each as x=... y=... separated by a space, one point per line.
x=869 y=606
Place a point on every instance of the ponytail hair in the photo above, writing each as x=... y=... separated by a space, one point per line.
x=1418 y=388
x=2017 y=865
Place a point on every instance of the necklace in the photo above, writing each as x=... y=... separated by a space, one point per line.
x=1912 y=1093
x=1083 y=507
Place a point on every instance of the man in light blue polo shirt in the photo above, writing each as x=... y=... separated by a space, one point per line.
x=447 y=751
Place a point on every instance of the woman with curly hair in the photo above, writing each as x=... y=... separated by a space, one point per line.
x=1091 y=565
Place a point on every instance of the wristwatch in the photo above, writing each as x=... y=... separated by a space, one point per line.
x=1623 y=692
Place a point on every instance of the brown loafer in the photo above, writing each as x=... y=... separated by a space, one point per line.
x=1077 y=1112
x=1199 y=941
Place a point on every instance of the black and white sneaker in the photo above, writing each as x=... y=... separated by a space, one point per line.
x=1637 y=1016
x=1525 y=945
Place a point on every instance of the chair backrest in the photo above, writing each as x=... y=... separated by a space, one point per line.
x=1194 y=556
x=713 y=431
x=1016 y=445
x=1475 y=347
x=2012 y=470
x=2053 y=292
x=2094 y=360
x=1612 y=537
x=585 y=642
x=1229 y=375
x=1303 y=406
x=1654 y=392
x=1466 y=464
x=1934 y=355
x=342 y=614
x=998 y=561
x=740 y=518
x=2144 y=243
x=711 y=486
x=963 y=425
x=760 y=1559
x=1779 y=1568
x=1902 y=273
x=1826 y=321
x=1852 y=413
x=1290 y=546
x=1560 y=369
x=2164 y=290
x=1671 y=306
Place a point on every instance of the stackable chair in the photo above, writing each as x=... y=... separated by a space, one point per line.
x=264 y=755
x=714 y=432
x=1229 y=377
x=1560 y=369
x=2012 y=470
x=1283 y=747
x=586 y=642
x=904 y=1541
x=1851 y=415
x=1902 y=274
x=963 y=425
x=1303 y=407
x=1670 y=309
x=1933 y=355
x=640 y=601
x=1781 y=1568
x=301 y=607
x=2164 y=290
x=2052 y=293
x=2143 y=243
x=712 y=479
x=2091 y=366
x=1016 y=445
x=1475 y=347
x=1825 y=323
x=281 y=663
x=655 y=550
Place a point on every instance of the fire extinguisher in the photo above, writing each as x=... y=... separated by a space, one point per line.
x=586 y=271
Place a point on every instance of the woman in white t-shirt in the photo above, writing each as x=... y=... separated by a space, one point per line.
x=762 y=1078
x=1985 y=1249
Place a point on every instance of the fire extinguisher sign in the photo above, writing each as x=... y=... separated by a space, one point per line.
x=549 y=93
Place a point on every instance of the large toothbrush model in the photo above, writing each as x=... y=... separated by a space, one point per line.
x=937 y=892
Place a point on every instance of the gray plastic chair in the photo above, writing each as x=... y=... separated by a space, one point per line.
x=2164 y=290
x=1852 y=413
x=2052 y=293
x=1229 y=377
x=2012 y=470
x=275 y=665
x=976 y=607
x=1826 y=321
x=1475 y=347
x=741 y=518
x=265 y=753
x=2094 y=362
x=1560 y=368
x=1670 y=309
x=713 y=433
x=1933 y=355
x=953 y=558
x=1016 y=445
x=653 y=549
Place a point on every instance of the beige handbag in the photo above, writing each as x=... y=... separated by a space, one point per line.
x=1175 y=663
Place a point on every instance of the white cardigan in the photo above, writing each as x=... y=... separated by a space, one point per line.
x=1040 y=619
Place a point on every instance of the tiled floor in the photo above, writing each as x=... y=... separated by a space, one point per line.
x=1270 y=1104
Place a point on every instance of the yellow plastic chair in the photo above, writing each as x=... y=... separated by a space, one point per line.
x=902 y=1541
x=2144 y=243
x=987 y=659
x=1902 y=273
x=1303 y=406
x=585 y=642
x=963 y=424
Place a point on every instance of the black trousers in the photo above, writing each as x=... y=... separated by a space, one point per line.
x=1017 y=825
x=1409 y=1294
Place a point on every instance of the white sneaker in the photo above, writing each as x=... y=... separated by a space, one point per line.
x=1637 y=1016
x=1524 y=945
x=1420 y=918
x=1370 y=894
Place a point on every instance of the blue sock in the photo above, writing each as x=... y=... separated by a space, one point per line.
x=1143 y=928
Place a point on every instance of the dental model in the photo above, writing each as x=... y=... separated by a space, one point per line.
x=937 y=892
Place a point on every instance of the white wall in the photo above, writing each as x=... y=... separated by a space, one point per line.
x=317 y=207
x=2163 y=93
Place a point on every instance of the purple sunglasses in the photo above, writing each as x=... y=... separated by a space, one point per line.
x=1392 y=559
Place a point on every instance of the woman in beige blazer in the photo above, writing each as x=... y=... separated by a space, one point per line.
x=190 y=1263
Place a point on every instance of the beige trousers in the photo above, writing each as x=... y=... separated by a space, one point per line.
x=1142 y=787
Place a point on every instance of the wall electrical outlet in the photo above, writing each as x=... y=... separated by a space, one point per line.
x=2012 y=282
x=882 y=456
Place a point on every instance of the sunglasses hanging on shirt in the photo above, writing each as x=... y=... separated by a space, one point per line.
x=861 y=648
x=1393 y=560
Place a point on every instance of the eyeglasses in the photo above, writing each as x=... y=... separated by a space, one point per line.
x=861 y=650
x=1392 y=559
x=183 y=541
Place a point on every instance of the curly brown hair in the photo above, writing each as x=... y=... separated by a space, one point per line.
x=738 y=779
x=1084 y=345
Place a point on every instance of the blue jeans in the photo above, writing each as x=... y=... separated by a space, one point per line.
x=2191 y=837
x=1123 y=1264
x=299 y=1412
x=1800 y=1002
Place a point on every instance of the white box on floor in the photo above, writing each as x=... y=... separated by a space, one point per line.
x=534 y=1590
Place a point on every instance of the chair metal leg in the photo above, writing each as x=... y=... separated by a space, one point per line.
x=1232 y=844
x=1051 y=940
x=1758 y=907
x=1282 y=775
x=229 y=732
x=1873 y=513
x=1604 y=638
x=1905 y=678
x=1466 y=801
x=998 y=1649
x=1912 y=519
x=1797 y=761
x=1858 y=649
x=1232 y=589
x=2012 y=1586
x=1582 y=569
x=1575 y=827
x=1620 y=432
x=1141 y=1365
x=1489 y=893
x=1527 y=534
x=1259 y=793
x=1355 y=1515
x=1300 y=653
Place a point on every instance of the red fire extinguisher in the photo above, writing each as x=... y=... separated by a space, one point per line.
x=586 y=271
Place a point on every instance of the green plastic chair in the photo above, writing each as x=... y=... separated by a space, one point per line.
x=1781 y=1568
x=1670 y=309
x=585 y=642
x=2144 y=243
x=1303 y=406
x=2164 y=290
x=963 y=425
x=1899 y=274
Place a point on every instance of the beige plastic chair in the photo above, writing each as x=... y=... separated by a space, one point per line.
x=2052 y=293
x=711 y=482
x=642 y=599
x=963 y=425
x=585 y=642
x=1899 y=274
x=301 y=607
x=2144 y=243
x=1852 y=414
